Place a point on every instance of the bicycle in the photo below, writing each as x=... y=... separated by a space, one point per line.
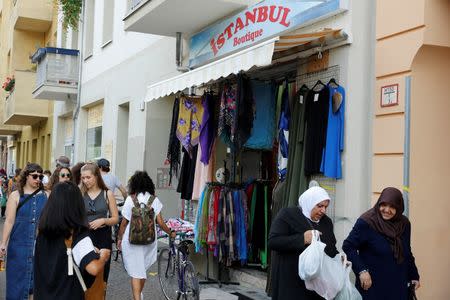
x=176 y=272
x=115 y=234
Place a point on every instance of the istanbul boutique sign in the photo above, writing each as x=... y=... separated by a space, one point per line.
x=258 y=23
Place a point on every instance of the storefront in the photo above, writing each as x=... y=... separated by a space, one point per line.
x=272 y=102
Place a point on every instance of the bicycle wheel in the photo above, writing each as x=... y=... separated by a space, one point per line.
x=168 y=274
x=191 y=287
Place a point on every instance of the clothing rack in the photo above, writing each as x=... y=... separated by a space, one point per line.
x=311 y=78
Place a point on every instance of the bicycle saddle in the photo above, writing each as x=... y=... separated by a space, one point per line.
x=184 y=246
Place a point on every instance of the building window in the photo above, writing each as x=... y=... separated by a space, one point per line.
x=108 y=22
x=89 y=35
x=93 y=143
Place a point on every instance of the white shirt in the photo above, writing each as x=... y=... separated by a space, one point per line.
x=137 y=259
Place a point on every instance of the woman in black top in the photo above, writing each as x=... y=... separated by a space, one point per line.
x=101 y=208
x=290 y=234
x=63 y=217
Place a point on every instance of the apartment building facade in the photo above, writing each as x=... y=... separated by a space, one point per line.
x=25 y=26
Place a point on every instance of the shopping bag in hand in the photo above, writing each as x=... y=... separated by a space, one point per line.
x=349 y=291
x=310 y=260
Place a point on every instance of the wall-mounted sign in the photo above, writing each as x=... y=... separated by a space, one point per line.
x=257 y=23
x=389 y=95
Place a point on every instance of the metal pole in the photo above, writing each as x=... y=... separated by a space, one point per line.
x=406 y=150
x=80 y=57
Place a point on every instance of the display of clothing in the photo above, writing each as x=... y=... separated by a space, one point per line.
x=331 y=159
x=207 y=131
x=190 y=118
x=283 y=132
x=173 y=149
x=317 y=103
x=203 y=173
x=227 y=116
x=296 y=180
x=187 y=174
x=245 y=112
x=263 y=131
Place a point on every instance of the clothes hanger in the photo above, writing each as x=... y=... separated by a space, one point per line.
x=333 y=81
x=319 y=82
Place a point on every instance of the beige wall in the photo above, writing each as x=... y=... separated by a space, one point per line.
x=430 y=164
x=415 y=42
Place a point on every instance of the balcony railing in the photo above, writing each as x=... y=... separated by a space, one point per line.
x=57 y=73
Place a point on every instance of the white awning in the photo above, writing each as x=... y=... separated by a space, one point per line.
x=259 y=55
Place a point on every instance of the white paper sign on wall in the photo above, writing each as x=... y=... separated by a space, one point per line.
x=389 y=95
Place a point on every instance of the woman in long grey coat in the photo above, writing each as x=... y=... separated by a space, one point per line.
x=290 y=234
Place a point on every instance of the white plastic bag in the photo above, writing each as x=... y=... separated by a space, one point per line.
x=310 y=260
x=330 y=279
x=349 y=291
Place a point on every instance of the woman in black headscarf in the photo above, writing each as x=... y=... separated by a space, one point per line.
x=379 y=246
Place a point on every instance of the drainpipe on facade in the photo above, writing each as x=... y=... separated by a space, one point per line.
x=407 y=144
x=80 y=57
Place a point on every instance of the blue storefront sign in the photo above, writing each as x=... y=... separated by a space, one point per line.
x=256 y=24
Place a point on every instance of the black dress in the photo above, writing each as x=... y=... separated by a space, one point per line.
x=286 y=238
x=51 y=279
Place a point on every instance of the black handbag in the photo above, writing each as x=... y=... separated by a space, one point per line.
x=412 y=291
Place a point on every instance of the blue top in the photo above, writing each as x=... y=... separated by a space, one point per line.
x=331 y=158
x=263 y=130
x=369 y=250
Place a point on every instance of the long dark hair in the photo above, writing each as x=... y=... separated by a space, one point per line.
x=54 y=179
x=140 y=182
x=30 y=168
x=76 y=172
x=64 y=212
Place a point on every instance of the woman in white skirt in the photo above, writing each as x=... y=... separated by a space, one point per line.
x=137 y=259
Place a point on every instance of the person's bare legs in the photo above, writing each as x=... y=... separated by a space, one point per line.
x=137 y=285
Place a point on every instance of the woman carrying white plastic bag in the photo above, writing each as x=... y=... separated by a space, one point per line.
x=348 y=291
x=291 y=234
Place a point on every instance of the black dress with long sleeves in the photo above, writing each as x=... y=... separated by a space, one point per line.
x=286 y=237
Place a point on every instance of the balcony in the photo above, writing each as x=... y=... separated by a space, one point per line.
x=57 y=73
x=20 y=107
x=32 y=15
x=167 y=17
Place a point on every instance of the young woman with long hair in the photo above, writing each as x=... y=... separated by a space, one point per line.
x=60 y=174
x=23 y=211
x=101 y=208
x=63 y=225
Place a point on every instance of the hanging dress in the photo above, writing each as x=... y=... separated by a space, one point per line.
x=19 y=273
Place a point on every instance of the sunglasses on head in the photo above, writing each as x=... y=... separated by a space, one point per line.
x=36 y=176
x=92 y=209
x=64 y=175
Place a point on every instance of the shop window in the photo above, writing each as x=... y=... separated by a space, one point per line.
x=93 y=143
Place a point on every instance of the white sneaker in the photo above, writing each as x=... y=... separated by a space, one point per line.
x=142 y=296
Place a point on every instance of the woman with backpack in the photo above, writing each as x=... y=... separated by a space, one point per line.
x=101 y=210
x=137 y=258
x=63 y=226
x=23 y=211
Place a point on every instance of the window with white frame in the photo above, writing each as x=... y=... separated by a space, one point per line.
x=89 y=29
x=94 y=132
x=108 y=21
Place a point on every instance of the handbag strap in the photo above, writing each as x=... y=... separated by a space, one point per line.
x=71 y=264
x=27 y=199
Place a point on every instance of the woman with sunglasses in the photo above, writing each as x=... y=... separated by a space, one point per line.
x=100 y=207
x=61 y=174
x=23 y=211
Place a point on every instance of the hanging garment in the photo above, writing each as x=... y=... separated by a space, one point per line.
x=283 y=132
x=190 y=119
x=173 y=149
x=203 y=173
x=263 y=130
x=227 y=116
x=187 y=174
x=317 y=104
x=207 y=132
x=245 y=110
x=331 y=159
x=296 y=182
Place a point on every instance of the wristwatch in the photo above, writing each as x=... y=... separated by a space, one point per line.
x=362 y=271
